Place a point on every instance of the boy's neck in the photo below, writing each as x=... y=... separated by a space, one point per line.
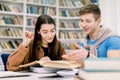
x=94 y=35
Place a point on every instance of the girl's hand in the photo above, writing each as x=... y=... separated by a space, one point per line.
x=45 y=59
x=28 y=36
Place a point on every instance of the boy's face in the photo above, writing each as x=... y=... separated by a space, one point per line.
x=47 y=32
x=88 y=23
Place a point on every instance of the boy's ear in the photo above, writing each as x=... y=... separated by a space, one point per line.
x=99 y=20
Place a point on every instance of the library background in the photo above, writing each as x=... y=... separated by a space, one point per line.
x=17 y=16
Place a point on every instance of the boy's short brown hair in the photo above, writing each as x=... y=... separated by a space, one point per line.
x=90 y=8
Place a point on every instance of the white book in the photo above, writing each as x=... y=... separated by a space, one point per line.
x=102 y=64
x=69 y=72
x=99 y=74
x=43 y=70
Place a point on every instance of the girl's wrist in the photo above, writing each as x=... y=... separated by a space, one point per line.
x=24 y=44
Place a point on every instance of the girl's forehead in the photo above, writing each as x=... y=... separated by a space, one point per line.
x=47 y=26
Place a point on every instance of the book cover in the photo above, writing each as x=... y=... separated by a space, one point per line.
x=102 y=64
x=99 y=74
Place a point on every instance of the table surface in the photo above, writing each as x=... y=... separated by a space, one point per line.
x=37 y=76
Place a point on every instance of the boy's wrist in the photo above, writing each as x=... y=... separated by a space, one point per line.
x=88 y=55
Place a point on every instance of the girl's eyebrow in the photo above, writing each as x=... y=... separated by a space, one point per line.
x=44 y=30
x=47 y=30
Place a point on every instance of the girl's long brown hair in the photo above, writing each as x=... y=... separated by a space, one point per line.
x=53 y=53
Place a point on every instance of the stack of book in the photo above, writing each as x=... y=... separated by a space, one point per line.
x=59 y=67
x=101 y=69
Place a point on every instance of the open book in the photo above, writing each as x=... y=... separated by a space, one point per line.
x=55 y=64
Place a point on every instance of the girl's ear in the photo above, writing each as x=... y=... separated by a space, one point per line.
x=38 y=32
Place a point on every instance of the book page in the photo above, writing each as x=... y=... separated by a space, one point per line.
x=55 y=64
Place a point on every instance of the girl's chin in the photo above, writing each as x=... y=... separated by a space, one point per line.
x=49 y=41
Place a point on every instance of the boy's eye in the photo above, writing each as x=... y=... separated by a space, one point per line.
x=81 y=20
x=53 y=31
x=88 y=21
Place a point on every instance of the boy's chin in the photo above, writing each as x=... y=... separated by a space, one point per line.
x=86 y=32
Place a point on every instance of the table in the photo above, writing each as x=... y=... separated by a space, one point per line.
x=36 y=76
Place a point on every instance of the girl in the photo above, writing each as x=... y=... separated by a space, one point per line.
x=44 y=46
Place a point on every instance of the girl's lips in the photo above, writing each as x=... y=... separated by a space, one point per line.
x=49 y=39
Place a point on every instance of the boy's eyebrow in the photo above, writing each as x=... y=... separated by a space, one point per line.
x=52 y=28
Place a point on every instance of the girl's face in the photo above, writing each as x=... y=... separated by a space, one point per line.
x=47 y=32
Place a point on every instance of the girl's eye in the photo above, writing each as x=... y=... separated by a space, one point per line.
x=45 y=32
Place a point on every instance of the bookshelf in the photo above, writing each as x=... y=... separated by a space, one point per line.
x=16 y=16
x=35 y=8
x=69 y=30
x=68 y=23
x=11 y=24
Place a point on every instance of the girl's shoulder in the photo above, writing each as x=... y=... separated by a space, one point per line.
x=58 y=42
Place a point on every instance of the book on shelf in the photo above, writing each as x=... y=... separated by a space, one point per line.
x=31 y=21
x=41 y=10
x=1 y=21
x=69 y=3
x=10 y=8
x=72 y=46
x=67 y=13
x=11 y=44
x=19 y=20
x=52 y=11
x=70 y=35
x=99 y=74
x=85 y=2
x=102 y=64
x=69 y=46
x=6 y=45
x=17 y=42
x=11 y=32
x=12 y=20
x=55 y=64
